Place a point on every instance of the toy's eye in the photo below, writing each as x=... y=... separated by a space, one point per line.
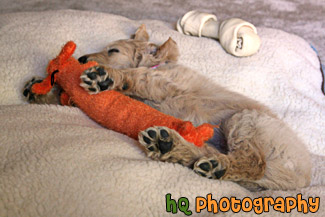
x=52 y=77
x=114 y=50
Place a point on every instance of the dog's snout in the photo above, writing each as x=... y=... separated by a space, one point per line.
x=83 y=59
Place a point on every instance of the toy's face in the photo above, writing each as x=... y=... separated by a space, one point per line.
x=133 y=53
x=66 y=53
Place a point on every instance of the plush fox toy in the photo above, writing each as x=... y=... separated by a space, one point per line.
x=112 y=109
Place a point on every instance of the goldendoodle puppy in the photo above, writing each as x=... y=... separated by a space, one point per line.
x=252 y=146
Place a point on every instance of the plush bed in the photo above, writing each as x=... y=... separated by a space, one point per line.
x=55 y=161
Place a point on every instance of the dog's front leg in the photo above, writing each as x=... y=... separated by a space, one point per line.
x=52 y=97
x=139 y=82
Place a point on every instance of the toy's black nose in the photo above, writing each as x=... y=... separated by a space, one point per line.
x=83 y=59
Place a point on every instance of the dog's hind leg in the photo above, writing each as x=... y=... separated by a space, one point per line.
x=242 y=164
x=262 y=150
x=164 y=144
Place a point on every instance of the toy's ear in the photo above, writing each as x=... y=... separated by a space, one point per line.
x=141 y=34
x=67 y=51
x=168 y=51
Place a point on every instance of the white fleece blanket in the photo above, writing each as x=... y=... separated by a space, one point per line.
x=55 y=161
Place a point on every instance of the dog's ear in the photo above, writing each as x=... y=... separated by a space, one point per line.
x=141 y=34
x=168 y=51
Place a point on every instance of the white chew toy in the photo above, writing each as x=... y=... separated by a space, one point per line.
x=236 y=36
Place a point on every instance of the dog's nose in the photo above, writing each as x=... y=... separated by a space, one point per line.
x=83 y=59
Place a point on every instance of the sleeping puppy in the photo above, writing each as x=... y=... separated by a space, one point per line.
x=252 y=146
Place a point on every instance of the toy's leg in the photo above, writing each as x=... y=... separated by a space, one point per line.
x=52 y=97
x=65 y=99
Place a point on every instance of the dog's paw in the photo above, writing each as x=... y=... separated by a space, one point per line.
x=27 y=91
x=157 y=141
x=96 y=79
x=209 y=167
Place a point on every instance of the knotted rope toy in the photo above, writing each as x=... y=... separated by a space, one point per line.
x=112 y=109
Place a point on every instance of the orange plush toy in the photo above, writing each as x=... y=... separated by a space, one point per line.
x=112 y=109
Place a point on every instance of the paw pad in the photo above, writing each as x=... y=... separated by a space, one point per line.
x=92 y=75
x=103 y=85
x=209 y=167
x=96 y=79
x=156 y=140
x=152 y=133
x=219 y=174
x=205 y=166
